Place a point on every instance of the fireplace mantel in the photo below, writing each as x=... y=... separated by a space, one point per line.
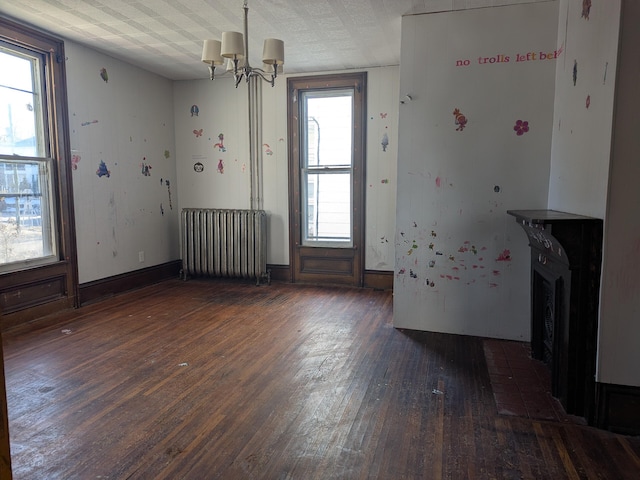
x=566 y=252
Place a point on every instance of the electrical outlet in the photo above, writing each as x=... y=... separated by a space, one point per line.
x=141 y=256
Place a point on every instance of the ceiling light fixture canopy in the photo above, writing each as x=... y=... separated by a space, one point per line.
x=235 y=47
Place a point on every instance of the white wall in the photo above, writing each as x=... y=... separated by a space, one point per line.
x=462 y=264
x=618 y=352
x=124 y=122
x=581 y=142
x=223 y=109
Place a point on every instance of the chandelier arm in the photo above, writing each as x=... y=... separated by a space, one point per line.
x=260 y=73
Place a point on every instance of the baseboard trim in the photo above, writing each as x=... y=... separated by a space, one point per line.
x=378 y=279
x=617 y=408
x=107 y=287
x=280 y=273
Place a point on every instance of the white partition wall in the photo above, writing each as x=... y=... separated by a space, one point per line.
x=475 y=125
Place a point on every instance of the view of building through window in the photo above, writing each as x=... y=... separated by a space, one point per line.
x=26 y=233
x=327 y=167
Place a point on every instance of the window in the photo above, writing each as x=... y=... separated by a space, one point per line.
x=327 y=166
x=38 y=265
x=326 y=127
x=27 y=224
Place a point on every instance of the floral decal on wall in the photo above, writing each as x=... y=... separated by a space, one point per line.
x=461 y=120
x=521 y=127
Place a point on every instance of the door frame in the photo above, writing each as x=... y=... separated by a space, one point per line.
x=336 y=265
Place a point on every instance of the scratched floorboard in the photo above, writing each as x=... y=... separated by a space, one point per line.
x=223 y=380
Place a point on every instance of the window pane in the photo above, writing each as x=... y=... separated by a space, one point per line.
x=329 y=129
x=21 y=131
x=328 y=207
x=25 y=218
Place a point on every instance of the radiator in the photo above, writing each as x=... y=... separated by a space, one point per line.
x=224 y=243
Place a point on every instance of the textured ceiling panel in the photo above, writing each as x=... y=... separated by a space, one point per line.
x=165 y=36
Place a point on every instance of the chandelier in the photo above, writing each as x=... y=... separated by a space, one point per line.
x=235 y=48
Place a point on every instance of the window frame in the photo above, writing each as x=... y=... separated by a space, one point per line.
x=41 y=289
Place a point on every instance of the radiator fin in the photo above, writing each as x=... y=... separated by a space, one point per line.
x=224 y=243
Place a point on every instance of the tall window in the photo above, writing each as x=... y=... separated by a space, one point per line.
x=326 y=125
x=27 y=221
x=326 y=169
x=38 y=265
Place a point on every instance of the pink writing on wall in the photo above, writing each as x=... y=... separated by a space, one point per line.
x=502 y=58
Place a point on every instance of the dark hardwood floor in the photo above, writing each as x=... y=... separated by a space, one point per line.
x=210 y=379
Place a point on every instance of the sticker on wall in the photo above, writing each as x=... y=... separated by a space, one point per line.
x=575 y=72
x=267 y=149
x=496 y=189
x=194 y=110
x=220 y=166
x=521 y=127
x=198 y=167
x=385 y=142
x=460 y=120
x=412 y=274
x=167 y=154
x=383 y=115
x=384 y=181
x=84 y=124
x=220 y=144
x=586 y=9
x=587 y=102
x=104 y=75
x=75 y=159
x=197 y=133
x=145 y=168
x=102 y=170
x=162 y=209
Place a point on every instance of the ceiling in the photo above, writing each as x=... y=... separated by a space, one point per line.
x=165 y=36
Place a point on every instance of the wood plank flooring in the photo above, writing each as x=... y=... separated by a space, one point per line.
x=223 y=380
